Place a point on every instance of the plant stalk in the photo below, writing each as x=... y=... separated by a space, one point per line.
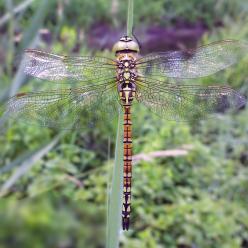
x=130 y=18
x=115 y=194
x=114 y=201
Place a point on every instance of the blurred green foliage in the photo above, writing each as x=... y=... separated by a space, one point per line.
x=198 y=200
x=164 y=12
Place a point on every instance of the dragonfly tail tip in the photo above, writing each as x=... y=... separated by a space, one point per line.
x=125 y=224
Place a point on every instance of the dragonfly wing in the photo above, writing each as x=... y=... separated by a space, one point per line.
x=185 y=102
x=54 y=67
x=201 y=62
x=65 y=109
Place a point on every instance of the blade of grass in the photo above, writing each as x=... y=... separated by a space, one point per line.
x=28 y=163
x=20 y=76
x=115 y=194
x=36 y=23
x=114 y=201
x=21 y=7
x=11 y=28
x=30 y=39
x=130 y=18
x=19 y=160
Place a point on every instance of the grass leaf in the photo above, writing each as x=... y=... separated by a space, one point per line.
x=115 y=193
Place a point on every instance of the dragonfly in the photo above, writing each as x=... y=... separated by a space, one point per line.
x=91 y=86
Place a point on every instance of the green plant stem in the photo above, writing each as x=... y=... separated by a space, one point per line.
x=130 y=18
x=114 y=201
x=115 y=196
x=10 y=51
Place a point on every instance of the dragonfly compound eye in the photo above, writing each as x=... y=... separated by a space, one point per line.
x=126 y=44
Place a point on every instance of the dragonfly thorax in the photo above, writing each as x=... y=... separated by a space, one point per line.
x=126 y=67
x=126 y=77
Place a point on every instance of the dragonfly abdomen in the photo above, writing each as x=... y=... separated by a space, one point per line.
x=127 y=173
x=126 y=76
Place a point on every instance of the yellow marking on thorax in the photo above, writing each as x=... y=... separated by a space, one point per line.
x=126 y=90
x=126 y=75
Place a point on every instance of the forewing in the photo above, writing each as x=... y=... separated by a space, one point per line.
x=68 y=69
x=63 y=109
x=187 y=102
x=201 y=62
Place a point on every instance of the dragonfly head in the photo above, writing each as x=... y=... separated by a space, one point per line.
x=126 y=44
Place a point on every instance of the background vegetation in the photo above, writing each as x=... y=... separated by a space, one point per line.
x=54 y=184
